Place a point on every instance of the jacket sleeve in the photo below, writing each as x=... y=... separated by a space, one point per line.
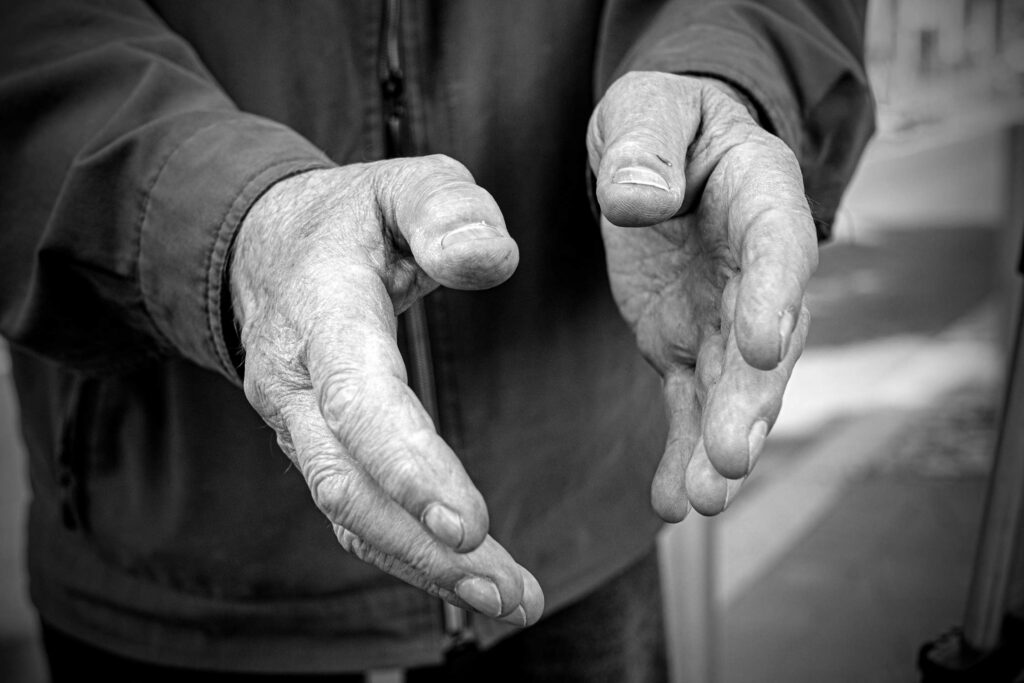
x=801 y=62
x=126 y=173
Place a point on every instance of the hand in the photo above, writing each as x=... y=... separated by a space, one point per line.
x=709 y=270
x=323 y=264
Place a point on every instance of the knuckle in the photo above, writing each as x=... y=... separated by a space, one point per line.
x=631 y=81
x=263 y=394
x=789 y=210
x=726 y=111
x=284 y=440
x=392 y=461
x=363 y=551
x=270 y=378
x=395 y=466
x=256 y=393
x=625 y=92
x=413 y=572
x=396 y=470
x=342 y=392
x=333 y=490
x=350 y=542
x=783 y=152
x=360 y=407
x=415 y=171
x=447 y=163
x=755 y=148
x=269 y=397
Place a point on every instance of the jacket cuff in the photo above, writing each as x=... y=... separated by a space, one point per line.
x=192 y=212
x=736 y=58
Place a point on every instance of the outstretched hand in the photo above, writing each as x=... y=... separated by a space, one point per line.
x=710 y=244
x=323 y=264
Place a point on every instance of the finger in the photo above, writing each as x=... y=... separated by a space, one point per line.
x=710 y=493
x=637 y=140
x=533 y=598
x=668 y=490
x=358 y=377
x=472 y=592
x=452 y=225
x=743 y=405
x=706 y=490
x=488 y=579
x=771 y=227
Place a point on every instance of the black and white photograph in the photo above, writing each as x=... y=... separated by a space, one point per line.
x=512 y=341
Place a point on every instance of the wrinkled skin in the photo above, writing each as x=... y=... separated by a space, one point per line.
x=323 y=264
x=710 y=244
x=326 y=260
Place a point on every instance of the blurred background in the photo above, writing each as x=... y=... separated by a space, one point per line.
x=853 y=543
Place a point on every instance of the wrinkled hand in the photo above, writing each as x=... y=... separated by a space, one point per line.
x=709 y=270
x=323 y=264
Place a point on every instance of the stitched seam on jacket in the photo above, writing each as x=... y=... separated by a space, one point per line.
x=162 y=338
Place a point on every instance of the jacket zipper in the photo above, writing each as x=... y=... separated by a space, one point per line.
x=456 y=620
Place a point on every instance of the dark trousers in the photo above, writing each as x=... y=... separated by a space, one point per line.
x=614 y=634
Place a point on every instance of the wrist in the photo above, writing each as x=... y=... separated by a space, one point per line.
x=259 y=244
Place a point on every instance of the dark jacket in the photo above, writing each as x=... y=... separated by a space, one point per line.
x=165 y=523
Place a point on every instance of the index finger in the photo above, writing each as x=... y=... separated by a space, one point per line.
x=743 y=405
x=359 y=379
x=373 y=527
x=771 y=231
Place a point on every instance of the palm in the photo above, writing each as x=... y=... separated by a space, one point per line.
x=668 y=281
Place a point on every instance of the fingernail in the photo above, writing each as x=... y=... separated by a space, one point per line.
x=468 y=233
x=755 y=442
x=636 y=175
x=731 y=489
x=786 y=323
x=517 y=618
x=445 y=524
x=481 y=594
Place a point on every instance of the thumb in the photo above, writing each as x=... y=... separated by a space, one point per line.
x=452 y=225
x=638 y=139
